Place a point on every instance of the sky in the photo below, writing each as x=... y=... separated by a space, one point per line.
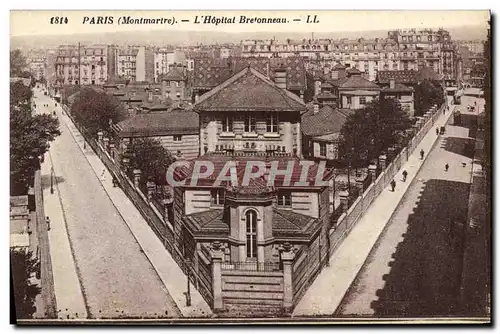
x=35 y=22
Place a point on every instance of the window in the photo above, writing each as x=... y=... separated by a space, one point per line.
x=362 y=100
x=217 y=196
x=249 y=123
x=348 y=100
x=227 y=124
x=251 y=233
x=285 y=198
x=322 y=149
x=177 y=138
x=272 y=122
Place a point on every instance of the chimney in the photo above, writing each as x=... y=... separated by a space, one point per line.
x=280 y=78
x=392 y=84
x=316 y=106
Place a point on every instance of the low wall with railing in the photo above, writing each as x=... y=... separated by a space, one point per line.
x=151 y=214
x=344 y=224
x=305 y=267
x=47 y=292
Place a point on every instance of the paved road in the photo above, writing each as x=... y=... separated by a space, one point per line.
x=117 y=278
x=414 y=268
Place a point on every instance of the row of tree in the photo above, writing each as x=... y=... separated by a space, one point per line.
x=96 y=111
x=30 y=136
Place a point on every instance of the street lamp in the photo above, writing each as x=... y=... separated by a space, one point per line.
x=52 y=180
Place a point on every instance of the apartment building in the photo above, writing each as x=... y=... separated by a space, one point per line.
x=131 y=63
x=166 y=57
x=38 y=67
x=402 y=50
x=78 y=64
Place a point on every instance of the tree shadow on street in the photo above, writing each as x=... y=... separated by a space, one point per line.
x=458 y=145
x=426 y=269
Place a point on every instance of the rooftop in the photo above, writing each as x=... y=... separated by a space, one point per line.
x=358 y=82
x=249 y=90
x=167 y=123
x=255 y=186
x=285 y=224
x=326 y=121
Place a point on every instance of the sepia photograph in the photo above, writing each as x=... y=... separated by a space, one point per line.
x=250 y=167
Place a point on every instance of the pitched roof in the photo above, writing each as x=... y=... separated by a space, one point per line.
x=400 y=76
x=352 y=71
x=339 y=67
x=285 y=224
x=210 y=72
x=209 y=222
x=249 y=90
x=398 y=87
x=172 y=75
x=289 y=224
x=165 y=123
x=326 y=121
x=358 y=82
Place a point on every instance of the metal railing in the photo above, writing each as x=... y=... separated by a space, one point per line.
x=252 y=266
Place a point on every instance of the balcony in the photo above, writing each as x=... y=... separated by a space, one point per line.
x=252 y=266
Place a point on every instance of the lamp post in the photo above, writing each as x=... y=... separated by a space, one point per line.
x=52 y=180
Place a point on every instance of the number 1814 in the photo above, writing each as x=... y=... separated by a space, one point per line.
x=58 y=20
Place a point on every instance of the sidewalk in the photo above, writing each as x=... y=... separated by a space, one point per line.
x=327 y=291
x=69 y=297
x=169 y=272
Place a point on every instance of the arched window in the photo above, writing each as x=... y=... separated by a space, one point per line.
x=251 y=233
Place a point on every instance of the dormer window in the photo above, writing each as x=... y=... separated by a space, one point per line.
x=217 y=197
x=284 y=199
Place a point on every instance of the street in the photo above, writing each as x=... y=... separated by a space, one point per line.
x=415 y=267
x=117 y=279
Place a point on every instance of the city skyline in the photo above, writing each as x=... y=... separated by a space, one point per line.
x=345 y=21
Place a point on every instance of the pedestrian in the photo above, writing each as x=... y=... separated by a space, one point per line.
x=437 y=131
x=393 y=185
x=103 y=176
x=446 y=167
x=405 y=174
x=47 y=220
x=422 y=154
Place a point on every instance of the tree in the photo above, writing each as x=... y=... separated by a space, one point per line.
x=151 y=158
x=17 y=63
x=19 y=93
x=427 y=94
x=371 y=130
x=29 y=141
x=94 y=110
x=23 y=266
